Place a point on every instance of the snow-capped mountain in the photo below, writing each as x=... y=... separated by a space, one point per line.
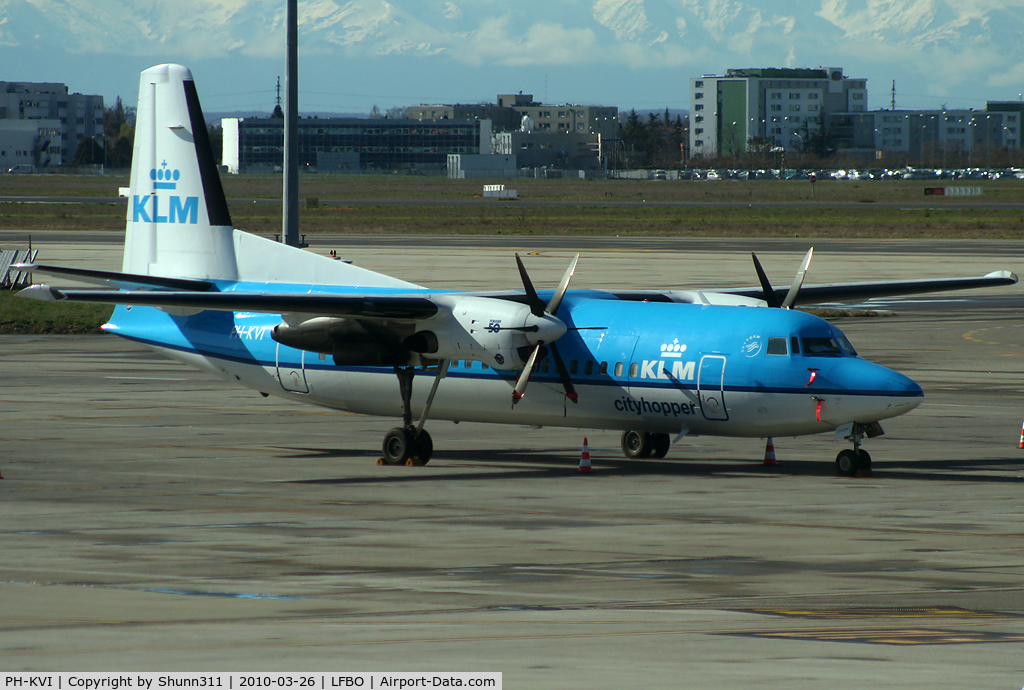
x=938 y=45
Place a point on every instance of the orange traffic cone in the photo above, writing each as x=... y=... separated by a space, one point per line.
x=1021 y=436
x=769 y=452
x=585 y=458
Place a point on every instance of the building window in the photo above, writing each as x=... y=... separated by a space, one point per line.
x=794 y=96
x=857 y=96
x=699 y=130
x=699 y=143
x=699 y=84
x=699 y=106
x=795 y=107
x=812 y=107
x=776 y=107
x=699 y=118
x=775 y=96
x=813 y=96
x=699 y=94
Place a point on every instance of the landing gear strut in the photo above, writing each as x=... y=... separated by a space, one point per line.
x=408 y=444
x=856 y=462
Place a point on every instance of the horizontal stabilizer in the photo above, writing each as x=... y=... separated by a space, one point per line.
x=122 y=281
x=391 y=307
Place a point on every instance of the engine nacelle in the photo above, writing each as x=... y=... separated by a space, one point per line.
x=349 y=342
x=492 y=331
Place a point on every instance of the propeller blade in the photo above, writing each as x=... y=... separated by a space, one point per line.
x=766 y=286
x=524 y=377
x=563 y=373
x=556 y=299
x=536 y=305
x=798 y=281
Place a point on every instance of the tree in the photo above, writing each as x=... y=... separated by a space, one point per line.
x=375 y=113
x=398 y=113
x=118 y=135
x=89 y=152
x=216 y=133
x=120 y=154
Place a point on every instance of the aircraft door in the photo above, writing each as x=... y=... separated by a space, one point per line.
x=292 y=378
x=711 y=387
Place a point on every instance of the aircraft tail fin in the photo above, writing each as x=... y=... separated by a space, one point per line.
x=178 y=222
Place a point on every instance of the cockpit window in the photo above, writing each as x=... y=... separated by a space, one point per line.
x=821 y=347
x=836 y=346
x=777 y=346
x=845 y=345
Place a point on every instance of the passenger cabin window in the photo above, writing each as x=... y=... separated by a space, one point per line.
x=777 y=346
x=604 y=368
x=574 y=366
x=634 y=369
x=589 y=368
x=618 y=368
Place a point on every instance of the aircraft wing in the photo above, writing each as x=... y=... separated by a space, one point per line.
x=391 y=307
x=847 y=292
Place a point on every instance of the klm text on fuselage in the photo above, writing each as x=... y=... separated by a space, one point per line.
x=178 y=211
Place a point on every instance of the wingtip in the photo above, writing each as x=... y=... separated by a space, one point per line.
x=1007 y=275
x=41 y=292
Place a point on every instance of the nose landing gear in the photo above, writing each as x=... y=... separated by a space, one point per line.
x=856 y=462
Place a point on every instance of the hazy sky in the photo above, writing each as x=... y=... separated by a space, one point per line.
x=627 y=53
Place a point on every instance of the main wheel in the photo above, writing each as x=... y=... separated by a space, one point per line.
x=424 y=448
x=659 y=445
x=636 y=444
x=847 y=463
x=397 y=446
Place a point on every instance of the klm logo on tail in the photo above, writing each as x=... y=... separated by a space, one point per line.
x=177 y=210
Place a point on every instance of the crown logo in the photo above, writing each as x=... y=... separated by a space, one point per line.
x=673 y=349
x=164 y=177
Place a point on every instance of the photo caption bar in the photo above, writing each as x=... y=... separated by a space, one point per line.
x=249 y=681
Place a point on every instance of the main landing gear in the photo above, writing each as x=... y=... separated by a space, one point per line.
x=642 y=444
x=410 y=444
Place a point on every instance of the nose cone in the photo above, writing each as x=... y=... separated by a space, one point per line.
x=881 y=392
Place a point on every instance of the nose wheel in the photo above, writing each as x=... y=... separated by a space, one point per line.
x=856 y=462
x=853 y=463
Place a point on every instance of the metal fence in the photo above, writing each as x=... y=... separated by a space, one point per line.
x=12 y=278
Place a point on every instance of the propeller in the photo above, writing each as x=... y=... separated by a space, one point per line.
x=769 y=292
x=539 y=309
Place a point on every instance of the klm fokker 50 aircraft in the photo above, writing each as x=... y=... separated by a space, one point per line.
x=653 y=364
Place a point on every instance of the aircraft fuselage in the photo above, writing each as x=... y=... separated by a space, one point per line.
x=645 y=366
